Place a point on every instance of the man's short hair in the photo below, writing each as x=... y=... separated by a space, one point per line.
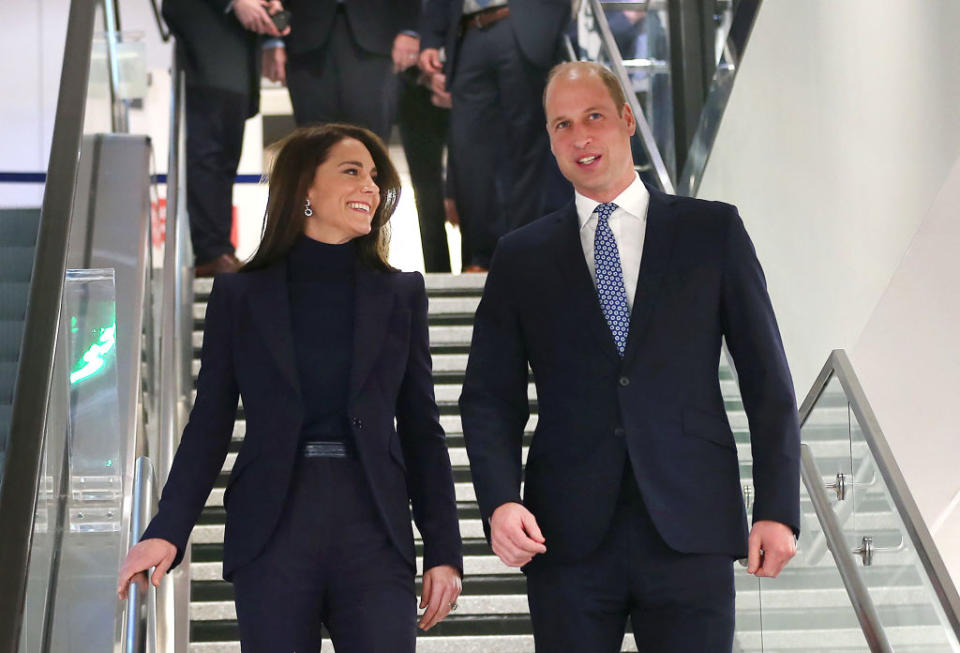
x=575 y=69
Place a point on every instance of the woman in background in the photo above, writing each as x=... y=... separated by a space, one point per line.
x=327 y=345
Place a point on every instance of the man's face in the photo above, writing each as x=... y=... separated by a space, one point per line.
x=589 y=137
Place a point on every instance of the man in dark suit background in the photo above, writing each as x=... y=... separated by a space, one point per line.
x=218 y=43
x=339 y=59
x=498 y=54
x=619 y=303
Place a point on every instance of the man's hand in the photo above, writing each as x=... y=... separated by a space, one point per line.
x=254 y=15
x=438 y=86
x=153 y=552
x=514 y=534
x=430 y=61
x=275 y=64
x=770 y=547
x=441 y=587
x=405 y=51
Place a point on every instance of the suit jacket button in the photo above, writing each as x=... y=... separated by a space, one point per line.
x=358 y=422
x=619 y=432
x=624 y=381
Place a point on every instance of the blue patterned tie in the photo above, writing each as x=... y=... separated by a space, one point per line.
x=610 y=289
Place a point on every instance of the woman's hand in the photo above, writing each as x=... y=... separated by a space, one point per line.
x=441 y=587
x=153 y=552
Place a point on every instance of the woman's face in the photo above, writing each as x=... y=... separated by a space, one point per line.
x=344 y=195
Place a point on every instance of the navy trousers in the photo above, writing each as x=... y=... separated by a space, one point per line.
x=215 y=122
x=676 y=602
x=329 y=563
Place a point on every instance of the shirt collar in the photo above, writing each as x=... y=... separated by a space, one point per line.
x=633 y=200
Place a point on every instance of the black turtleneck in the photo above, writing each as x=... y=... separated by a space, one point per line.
x=320 y=279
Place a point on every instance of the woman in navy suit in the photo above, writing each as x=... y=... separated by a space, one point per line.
x=327 y=346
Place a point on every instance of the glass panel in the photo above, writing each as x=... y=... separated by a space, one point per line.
x=96 y=116
x=909 y=610
x=49 y=512
x=77 y=535
x=806 y=608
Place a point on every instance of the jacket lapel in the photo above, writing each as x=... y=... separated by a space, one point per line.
x=581 y=289
x=269 y=304
x=374 y=301
x=657 y=250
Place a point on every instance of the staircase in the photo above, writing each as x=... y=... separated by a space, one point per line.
x=18 y=238
x=806 y=609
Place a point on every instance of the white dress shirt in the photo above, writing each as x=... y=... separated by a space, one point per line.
x=628 y=224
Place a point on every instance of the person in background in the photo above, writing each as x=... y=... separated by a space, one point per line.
x=497 y=57
x=218 y=43
x=327 y=346
x=339 y=59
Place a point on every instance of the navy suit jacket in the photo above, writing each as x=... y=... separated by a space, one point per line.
x=218 y=52
x=660 y=407
x=537 y=26
x=373 y=23
x=248 y=352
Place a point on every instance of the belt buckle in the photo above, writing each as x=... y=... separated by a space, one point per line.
x=475 y=20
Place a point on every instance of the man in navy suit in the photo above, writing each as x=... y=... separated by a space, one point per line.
x=618 y=303
x=497 y=57
x=340 y=57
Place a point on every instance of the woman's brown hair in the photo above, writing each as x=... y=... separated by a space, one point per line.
x=291 y=175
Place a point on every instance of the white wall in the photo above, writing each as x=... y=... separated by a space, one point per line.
x=841 y=128
x=841 y=140
x=908 y=360
x=31 y=52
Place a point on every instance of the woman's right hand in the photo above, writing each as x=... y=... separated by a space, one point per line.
x=154 y=552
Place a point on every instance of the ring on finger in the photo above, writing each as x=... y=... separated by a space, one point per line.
x=453 y=605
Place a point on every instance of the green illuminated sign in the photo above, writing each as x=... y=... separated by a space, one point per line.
x=93 y=360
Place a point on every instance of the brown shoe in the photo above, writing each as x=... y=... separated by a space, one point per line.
x=474 y=268
x=223 y=264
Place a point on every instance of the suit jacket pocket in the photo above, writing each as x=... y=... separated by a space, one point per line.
x=709 y=426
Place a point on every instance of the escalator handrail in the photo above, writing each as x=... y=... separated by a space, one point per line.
x=21 y=476
x=838 y=364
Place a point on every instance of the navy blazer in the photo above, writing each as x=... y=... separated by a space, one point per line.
x=218 y=52
x=537 y=26
x=373 y=23
x=248 y=352
x=661 y=405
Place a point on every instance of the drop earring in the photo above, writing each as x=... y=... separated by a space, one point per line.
x=307 y=211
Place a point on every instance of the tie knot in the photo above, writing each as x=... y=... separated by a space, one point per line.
x=604 y=211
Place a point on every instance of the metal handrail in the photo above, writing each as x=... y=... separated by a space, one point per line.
x=138 y=612
x=157 y=16
x=21 y=478
x=119 y=110
x=838 y=365
x=643 y=127
x=173 y=613
x=701 y=145
x=856 y=588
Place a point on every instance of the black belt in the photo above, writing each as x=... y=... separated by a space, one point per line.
x=320 y=449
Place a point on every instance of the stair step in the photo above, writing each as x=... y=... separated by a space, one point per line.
x=805 y=609
x=13 y=299
x=16 y=262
